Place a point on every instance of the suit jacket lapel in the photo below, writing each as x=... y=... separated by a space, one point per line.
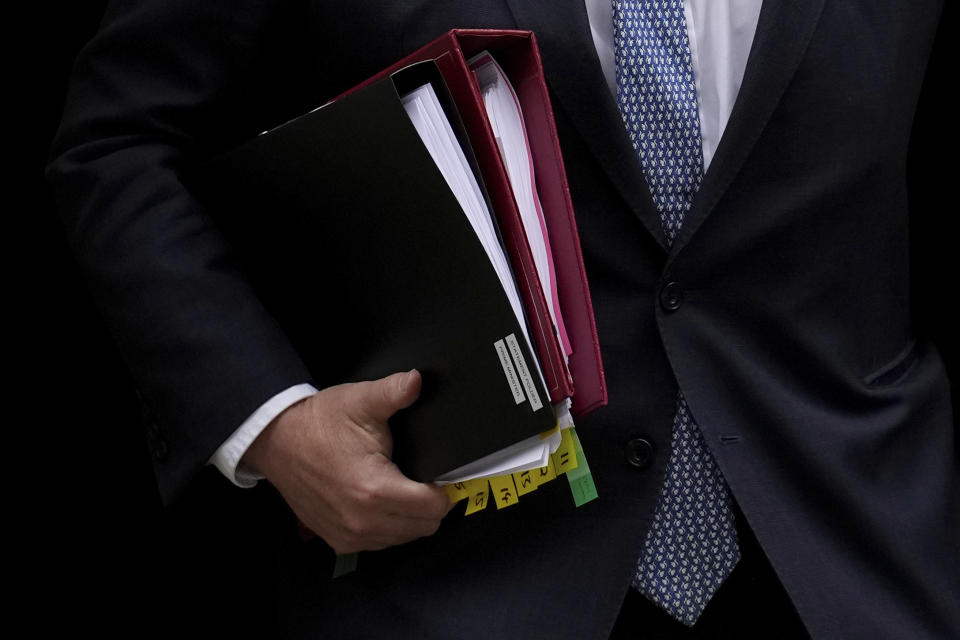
x=573 y=72
x=783 y=32
x=576 y=79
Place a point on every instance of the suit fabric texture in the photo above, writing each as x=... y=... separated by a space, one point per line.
x=792 y=341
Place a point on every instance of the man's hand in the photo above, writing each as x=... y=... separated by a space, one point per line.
x=329 y=457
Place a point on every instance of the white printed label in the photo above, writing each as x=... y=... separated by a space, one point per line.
x=508 y=371
x=524 y=373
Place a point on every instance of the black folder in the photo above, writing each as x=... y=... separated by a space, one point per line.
x=356 y=245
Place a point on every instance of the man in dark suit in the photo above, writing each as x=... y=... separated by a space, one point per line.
x=781 y=311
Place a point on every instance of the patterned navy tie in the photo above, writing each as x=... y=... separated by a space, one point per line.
x=692 y=544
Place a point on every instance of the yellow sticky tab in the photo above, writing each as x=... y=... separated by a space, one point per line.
x=546 y=434
x=565 y=457
x=504 y=491
x=526 y=481
x=477 y=493
x=456 y=492
x=547 y=473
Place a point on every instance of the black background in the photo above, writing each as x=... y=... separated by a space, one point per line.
x=91 y=545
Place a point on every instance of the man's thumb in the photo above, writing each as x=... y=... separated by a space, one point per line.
x=395 y=392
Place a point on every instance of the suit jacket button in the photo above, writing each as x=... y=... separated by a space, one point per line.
x=639 y=453
x=671 y=296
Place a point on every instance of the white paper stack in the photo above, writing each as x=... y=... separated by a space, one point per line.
x=431 y=123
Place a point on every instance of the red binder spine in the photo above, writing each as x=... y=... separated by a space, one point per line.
x=586 y=362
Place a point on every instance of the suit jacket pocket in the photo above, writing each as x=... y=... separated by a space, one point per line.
x=896 y=369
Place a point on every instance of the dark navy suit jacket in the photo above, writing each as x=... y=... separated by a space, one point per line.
x=793 y=342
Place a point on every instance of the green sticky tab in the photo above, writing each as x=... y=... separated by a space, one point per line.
x=580 y=479
x=344 y=564
x=583 y=490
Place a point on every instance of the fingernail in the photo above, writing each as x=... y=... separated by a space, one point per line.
x=405 y=380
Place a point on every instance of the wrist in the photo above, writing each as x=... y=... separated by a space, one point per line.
x=262 y=454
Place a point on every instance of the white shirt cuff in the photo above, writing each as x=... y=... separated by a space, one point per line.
x=227 y=457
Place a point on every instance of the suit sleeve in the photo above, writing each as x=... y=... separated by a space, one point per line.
x=161 y=80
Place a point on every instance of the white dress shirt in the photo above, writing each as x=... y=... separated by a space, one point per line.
x=721 y=34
